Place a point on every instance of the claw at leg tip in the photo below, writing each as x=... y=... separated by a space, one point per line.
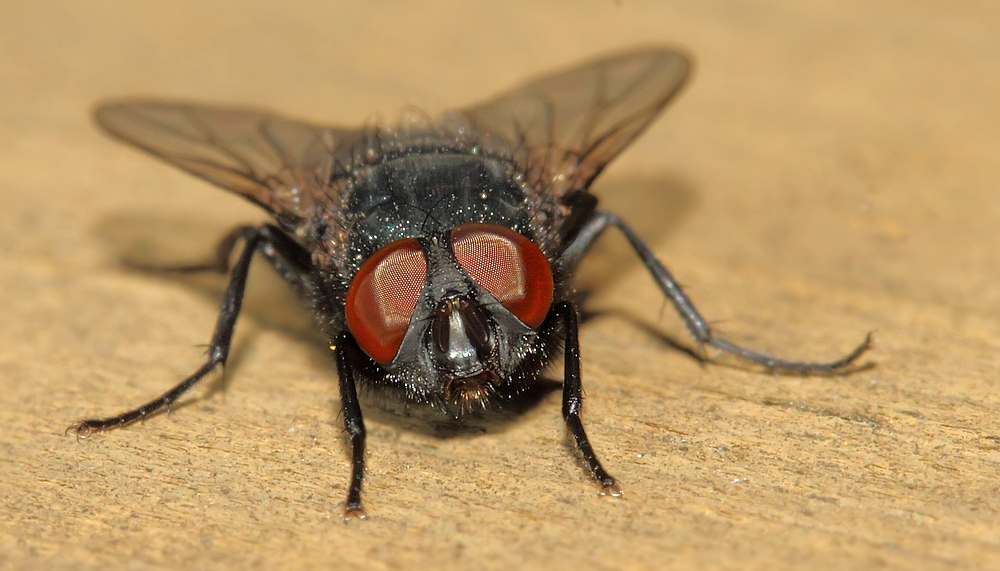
x=613 y=490
x=81 y=431
x=354 y=512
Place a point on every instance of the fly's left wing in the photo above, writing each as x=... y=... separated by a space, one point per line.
x=280 y=164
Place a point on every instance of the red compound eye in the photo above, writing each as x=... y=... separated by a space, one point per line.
x=507 y=265
x=382 y=298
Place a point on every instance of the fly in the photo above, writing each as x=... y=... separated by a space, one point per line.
x=437 y=255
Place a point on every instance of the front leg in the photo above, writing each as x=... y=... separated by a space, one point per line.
x=573 y=397
x=347 y=351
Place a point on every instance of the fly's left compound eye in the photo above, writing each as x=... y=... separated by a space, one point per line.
x=507 y=265
x=382 y=298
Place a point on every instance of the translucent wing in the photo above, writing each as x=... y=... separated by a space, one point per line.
x=568 y=126
x=564 y=128
x=278 y=163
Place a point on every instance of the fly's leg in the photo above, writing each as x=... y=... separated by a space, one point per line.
x=693 y=320
x=219 y=264
x=573 y=396
x=268 y=241
x=284 y=255
x=353 y=421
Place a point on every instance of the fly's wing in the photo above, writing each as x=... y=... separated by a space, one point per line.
x=277 y=163
x=566 y=127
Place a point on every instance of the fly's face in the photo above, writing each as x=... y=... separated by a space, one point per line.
x=452 y=315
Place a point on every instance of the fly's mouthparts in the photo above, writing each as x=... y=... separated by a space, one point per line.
x=475 y=389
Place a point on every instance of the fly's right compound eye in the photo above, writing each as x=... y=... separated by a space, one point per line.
x=382 y=298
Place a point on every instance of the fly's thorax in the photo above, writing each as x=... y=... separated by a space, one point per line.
x=424 y=191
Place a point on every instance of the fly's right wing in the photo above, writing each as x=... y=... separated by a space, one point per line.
x=567 y=126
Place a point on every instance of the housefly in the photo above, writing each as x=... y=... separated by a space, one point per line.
x=437 y=255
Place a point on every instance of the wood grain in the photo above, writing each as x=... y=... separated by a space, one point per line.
x=832 y=169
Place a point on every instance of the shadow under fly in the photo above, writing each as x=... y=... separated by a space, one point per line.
x=437 y=255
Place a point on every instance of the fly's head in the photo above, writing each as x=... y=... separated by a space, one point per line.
x=453 y=317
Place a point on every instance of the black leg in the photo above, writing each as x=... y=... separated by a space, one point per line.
x=218 y=349
x=573 y=398
x=290 y=260
x=346 y=350
x=693 y=320
x=219 y=264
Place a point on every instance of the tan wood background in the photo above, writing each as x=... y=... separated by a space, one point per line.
x=834 y=167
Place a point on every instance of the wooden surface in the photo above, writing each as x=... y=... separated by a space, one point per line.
x=833 y=168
